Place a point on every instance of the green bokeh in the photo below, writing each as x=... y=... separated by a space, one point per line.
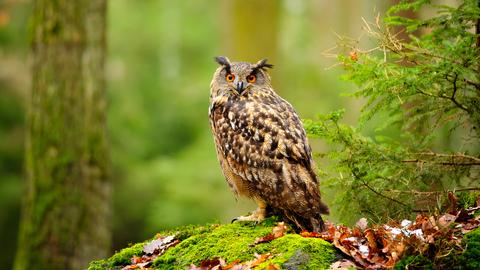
x=159 y=67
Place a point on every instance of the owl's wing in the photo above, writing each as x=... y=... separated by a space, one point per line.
x=259 y=135
x=263 y=151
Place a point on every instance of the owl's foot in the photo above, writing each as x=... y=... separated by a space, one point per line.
x=257 y=216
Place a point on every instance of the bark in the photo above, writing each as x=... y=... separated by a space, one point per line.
x=66 y=212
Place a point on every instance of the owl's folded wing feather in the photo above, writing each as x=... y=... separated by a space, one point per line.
x=262 y=145
x=259 y=135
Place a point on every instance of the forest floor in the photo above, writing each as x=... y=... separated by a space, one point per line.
x=447 y=241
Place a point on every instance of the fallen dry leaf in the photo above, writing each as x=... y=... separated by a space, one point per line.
x=277 y=232
x=445 y=220
x=209 y=264
x=362 y=224
x=259 y=259
x=264 y=239
x=158 y=244
x=273 y=267
x=453 y=202
x=231 y=265
x=371 y=239
x=219 y=264
x=136 y=259
x=343 y=264
x=310 y=234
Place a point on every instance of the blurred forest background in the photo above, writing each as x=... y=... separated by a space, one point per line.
x=159 y=67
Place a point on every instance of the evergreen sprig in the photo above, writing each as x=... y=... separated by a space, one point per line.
x=426 y=84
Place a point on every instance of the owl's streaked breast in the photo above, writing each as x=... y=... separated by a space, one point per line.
x=258 y=131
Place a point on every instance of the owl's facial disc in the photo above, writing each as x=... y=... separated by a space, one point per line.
x=239 y=77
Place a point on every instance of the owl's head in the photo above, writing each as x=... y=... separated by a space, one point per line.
x=239 y=78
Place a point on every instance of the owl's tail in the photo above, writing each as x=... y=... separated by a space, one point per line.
x=309 y=223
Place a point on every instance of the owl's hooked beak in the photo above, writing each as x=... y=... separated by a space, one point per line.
x=239 y=86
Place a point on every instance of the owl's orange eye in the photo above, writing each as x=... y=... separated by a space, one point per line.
x=230 y=77
x=251 y=78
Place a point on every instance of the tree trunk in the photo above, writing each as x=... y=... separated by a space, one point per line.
x=250 y=29
x=65 y=220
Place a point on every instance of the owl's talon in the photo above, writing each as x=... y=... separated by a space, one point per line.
x=248 y=218
x=256 y=216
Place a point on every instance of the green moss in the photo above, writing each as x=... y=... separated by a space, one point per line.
x=414 y=262
x=232 y=242
x=467 y=199
x=470 y=258
x=120 y=258
x=295 y=252
x=185 y=232
x=227 y=241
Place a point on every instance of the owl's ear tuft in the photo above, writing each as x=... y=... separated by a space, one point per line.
x=222 y=60
x=262 y=64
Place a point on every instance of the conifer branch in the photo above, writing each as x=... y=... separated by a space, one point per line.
x=449 y=159
x=374 y=191
x=426 y=193
x=453 y=99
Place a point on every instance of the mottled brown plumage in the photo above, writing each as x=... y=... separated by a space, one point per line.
x=262 y=146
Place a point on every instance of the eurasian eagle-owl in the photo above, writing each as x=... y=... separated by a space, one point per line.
x=262 y=146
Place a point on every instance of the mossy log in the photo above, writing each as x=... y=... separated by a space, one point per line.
x=237 y=242
x=232 y=242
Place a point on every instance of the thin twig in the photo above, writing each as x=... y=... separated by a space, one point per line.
x=458 y=155
x=476 y=85
x=425 y=193
x=376 y=192
x=442 y=163
x=452 y=98
x=451 y=159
